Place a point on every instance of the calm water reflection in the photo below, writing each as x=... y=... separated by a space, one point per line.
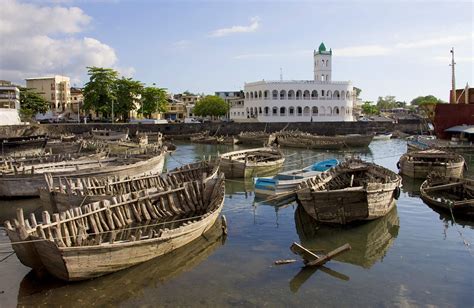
x=413 y=256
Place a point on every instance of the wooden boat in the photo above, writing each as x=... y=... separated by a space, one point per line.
x=78 y=146
x=109 y=135
x=384 y=136
x=449 y=194
x=75 y=192
x=286 y=183
x=25 y=182
x=49 y=292
x=256 y=138
x=107 y=236
x=307 y=141
x=214 y=139
x=26 y=145
x=354 y=190
x=251 y=163
x=421 y=163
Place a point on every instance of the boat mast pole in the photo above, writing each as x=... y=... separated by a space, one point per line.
x=453 y=79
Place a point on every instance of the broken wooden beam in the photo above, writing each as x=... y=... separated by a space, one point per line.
x=311 y=259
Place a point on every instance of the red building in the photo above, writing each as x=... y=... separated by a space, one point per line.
x=452 y=114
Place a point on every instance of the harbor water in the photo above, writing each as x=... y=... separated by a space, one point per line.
x=413 y=256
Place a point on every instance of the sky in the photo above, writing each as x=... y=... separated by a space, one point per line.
x=399 y=48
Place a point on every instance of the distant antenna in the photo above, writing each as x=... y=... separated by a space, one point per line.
x=453 y=79
x=281 y=74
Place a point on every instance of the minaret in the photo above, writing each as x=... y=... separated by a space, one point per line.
x=322 y=64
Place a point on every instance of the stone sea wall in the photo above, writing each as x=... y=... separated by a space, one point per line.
x=321 y=128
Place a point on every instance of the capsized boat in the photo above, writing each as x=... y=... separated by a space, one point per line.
x=107 y=236
x=256 y=138
x=354 y=190
x=420 y=164
x=449 y=194
x=286 y=183
x=251 y=163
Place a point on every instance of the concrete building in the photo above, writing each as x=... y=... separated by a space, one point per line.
x=54 y=89
x=176 y=110
x=77 y=99
x=232 y=98
x=9 y=103
x=318 y=100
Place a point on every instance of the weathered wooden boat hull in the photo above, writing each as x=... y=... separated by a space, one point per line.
x=449 y=194
x=233 y=167
x=383 y=137
x=75 y=263
x=306 y=143
x=104 y=237
x=28 y=185
x=260 y=139
x=447 y=164
x=342 y=207
x=109 y=135
x=61 y=201
x=347 y=204
x=19 y=146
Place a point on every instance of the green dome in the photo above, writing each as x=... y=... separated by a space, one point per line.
x=322 y=48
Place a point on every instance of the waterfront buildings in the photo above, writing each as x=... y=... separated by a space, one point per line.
x=232 y=98
x=77 y=99
x=317 y=100
x=54 y=89
x=9 y=103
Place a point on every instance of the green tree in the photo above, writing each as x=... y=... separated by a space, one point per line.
x=31 y=103
x=100 y=91
x=427 y=105
x=128 y=93
x=369 y=108
x=211 y=105
x=429 y=99
x=387 y=102
x=153 y=100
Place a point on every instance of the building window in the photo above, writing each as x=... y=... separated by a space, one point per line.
x=267 y=111
x=274 y=94
x=299 y=111
x=314 y=94
x=306 y=94
x=306 y=111
x=275 y=111
x=291 y=94
x=291 y=111
x=282 y=94
x=298 y=94
x=282 y=111
x=315 y=110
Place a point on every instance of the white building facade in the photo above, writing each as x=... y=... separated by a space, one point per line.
x=318 y=100
x=9 y=103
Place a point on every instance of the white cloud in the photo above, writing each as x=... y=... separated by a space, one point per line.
x=254 y=25
x=41 y=40
x=362 y=51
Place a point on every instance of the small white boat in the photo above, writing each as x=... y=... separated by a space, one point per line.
x=285 y=183
x=384 y=136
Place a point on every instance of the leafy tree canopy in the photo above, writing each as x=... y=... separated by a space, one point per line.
x=369 y=108
x=153 y=100
x=100 y=91
x=211 y=105
x=423 y=100
x=128 y=93
x=357 y=91
x=32 y=103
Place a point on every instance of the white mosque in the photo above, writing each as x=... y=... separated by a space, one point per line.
x=318 y=100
